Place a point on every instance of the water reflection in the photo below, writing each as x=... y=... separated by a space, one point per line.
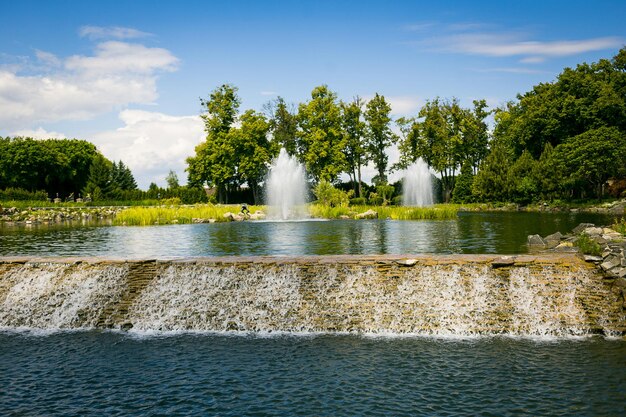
x=469 y=233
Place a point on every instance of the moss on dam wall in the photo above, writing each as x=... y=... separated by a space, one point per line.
x=551 y=294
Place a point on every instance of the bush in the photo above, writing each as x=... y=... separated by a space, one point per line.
x=587 y=245
x=359 y=201
x=19 y=194
x=328 y=195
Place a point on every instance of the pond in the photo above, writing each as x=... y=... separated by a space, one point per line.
x=494 y=232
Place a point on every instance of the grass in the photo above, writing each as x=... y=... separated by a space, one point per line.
x=144 y=216
x=620 y=226
x=587 y=245
x=437 y=212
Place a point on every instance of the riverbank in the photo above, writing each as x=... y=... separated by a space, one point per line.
x=210 y=213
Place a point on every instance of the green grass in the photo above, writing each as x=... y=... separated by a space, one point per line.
x=620 y=226
x=588 y=246
x=24 y=204
x=144 y=216
x=436 y=212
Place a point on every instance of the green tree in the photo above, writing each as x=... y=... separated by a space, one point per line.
x=594 y=156
x=353 y=128
x=283 y=125
x=492 y=180
x=379 y=135
x=322 y=142
x=463 y=185
x=214 y=162
x=172 y=180
x=522 y=187
x=122 y=178
x=253 y=150
x=99 y=184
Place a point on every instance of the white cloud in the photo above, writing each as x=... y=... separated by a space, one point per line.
x=111 y=32
x=404 y=105
x=486 y=40
x=39 y=133
x=152 y=143
x=116 y=75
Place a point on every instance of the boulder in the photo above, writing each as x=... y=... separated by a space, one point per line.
x=593 y=231
x=536 y=241
x=232 y=217
x=553 y=240
x=406 y=262
x=579 y=229
x=369 y=214
x=258 y=215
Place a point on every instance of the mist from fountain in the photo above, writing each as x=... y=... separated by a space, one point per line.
x=286 y=189
x=417 y=186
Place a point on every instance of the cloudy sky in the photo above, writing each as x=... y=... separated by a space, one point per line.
x=128 y=75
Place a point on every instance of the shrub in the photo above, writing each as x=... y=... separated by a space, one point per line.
x=587 y=245
x=328 y=195
x=359 y=201
x=19 y=194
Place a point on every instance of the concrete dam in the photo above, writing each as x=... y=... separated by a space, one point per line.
x=544 y=295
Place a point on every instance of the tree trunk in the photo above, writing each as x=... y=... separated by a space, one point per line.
x=359 y=181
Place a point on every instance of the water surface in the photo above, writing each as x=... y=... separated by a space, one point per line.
x=93 y=373
x=470 y=233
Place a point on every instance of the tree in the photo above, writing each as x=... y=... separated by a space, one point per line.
x=353 y=128
x=122 y=177
x=379 y=135
x=594 y=156
x=172 y=180
x=322 y=142
x=463 y=185
x=214 y=162
x=283 y=124
x=99 y=183
x=253 y=150
x=522 y=187
x=492 y=180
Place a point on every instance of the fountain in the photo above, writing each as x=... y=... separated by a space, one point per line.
x=286 y=188
x=417 y=187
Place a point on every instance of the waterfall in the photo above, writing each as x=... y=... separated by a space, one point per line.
x=371 y=295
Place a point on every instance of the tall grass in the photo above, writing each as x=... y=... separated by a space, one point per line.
x=144 y=216
x=437 y=212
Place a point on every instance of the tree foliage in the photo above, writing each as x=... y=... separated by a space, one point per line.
x=379 y=135
x=322 y=142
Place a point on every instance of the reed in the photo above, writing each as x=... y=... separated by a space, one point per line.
x=145 y=216
x=436 y=212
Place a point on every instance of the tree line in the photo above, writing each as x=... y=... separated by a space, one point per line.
x=562 y=140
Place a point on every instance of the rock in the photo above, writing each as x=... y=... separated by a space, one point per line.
x=369 y=214
x=502 y=262
x=592 y=258
x=611 y=262
x=593 y=231
x=579 y=229
x=232 y=217
x=258 y=215
x=406 y=262
x=344 y=217
x=553 y=240
x=536 y=240
x=566 y=247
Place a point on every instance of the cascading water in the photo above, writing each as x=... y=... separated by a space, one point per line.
x=286 y=188
x=417 y=187
x=466 y=296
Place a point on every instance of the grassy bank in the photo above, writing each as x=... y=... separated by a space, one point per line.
x=143 y=216
x=437 y=212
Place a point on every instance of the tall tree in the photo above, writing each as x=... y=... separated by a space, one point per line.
x=379 y=135
x=283 y=124
x=353 y=128
x=322 y=142
x=172 y=180
x=99 y=184
x=214 y=162
x=253 y=150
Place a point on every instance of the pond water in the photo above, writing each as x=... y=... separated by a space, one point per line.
x=91 y=373
x=232 y=374
x=496 y=232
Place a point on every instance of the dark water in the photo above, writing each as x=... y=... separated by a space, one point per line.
x=89 y=373
x=470 y=233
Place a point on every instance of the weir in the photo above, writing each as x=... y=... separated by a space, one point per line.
x=544 y=295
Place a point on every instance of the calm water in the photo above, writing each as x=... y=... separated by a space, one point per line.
x=90 y=373
x=470 y=233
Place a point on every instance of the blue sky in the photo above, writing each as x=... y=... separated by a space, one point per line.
x=127 y=75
